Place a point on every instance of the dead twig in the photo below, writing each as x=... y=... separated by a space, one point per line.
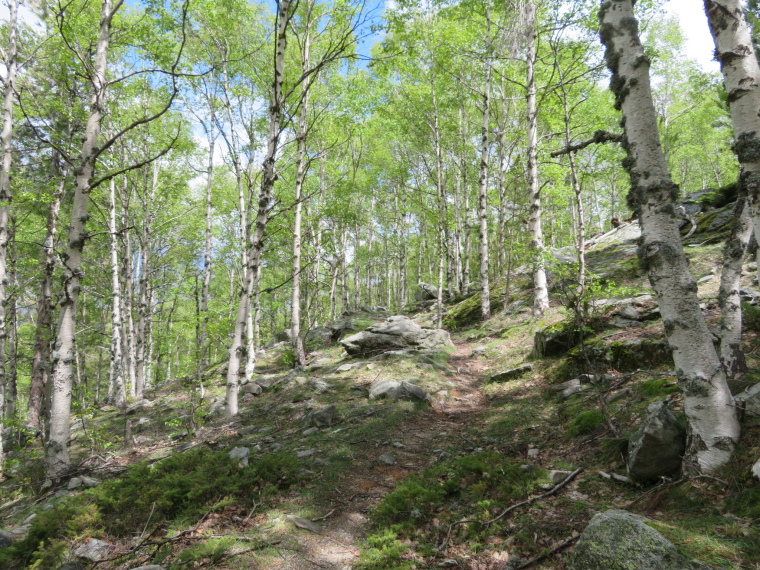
x=508 y=510
x=561 y=546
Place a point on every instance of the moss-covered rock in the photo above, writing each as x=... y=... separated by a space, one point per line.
x=619 y=540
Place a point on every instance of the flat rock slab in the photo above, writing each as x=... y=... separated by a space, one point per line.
x=395 y=333
x=305 y=524
x=511 y=373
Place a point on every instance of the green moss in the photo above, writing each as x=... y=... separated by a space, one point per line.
x=586 y=422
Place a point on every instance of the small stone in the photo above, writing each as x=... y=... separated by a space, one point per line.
x=533 y=452
x=90 y=481
x=142 y=440
x=310 y=431
x=305 y=524
x=93 y=550
x=252 y=388
x=241 y=454
x=29 y=519
x=387 y=459
x=478 y=351
x=307 y=453
x=275 y=447
x=6 y=539
x=557 y=476
x=450 y=563
x=756 y=469
x=74 y=483
x=150 y=567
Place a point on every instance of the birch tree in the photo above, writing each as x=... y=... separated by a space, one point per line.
x=741 y=77
x=713 y=429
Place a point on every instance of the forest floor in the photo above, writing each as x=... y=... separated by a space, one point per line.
x=467 y=480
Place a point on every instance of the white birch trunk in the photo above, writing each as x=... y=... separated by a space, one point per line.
x=238 y=347
x=485 y=293
x=57 y=445
x=713 y=429
x=116 y=389
x=295 y=299
x=6 y=136
x=729 y=299
x=741 y=77
x=540 y=289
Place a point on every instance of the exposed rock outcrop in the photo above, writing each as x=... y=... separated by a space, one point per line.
x=395 y=333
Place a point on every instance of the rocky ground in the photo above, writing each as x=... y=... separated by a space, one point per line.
x=496 y=454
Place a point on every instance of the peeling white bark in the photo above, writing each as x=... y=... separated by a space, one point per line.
x=713 y=429
x=741 y=77
x=57 y=445
x=540 y=287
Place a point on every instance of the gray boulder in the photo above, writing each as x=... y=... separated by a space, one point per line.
x=341 y=329
x=395 y=390
x=656 y=448
x=251 y=388
x=395 y=333
x=317 y=338
x=554 y=341
x=384 y=389
x=426 y=292
x=619 y=540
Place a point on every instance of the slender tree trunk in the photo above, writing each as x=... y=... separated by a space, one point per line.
x=741 y=77
x=295 y=304
x=11 y=351
x=731 y=352
x=57 y=446
x=485 y=293
x=578 y=211
x=205 y=290
x=6 y=138
x=238 y=348
x=540 y=289
x=116 y=388
x=45 y=310
x=466 y=217
x=713 y=429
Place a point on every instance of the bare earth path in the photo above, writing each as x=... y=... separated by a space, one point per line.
x=416 y=445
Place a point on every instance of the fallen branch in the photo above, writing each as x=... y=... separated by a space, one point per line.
x=560 y=546
x=508 y=510
x=667 y=484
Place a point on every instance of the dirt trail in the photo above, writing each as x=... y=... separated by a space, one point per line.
x=414 y=447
